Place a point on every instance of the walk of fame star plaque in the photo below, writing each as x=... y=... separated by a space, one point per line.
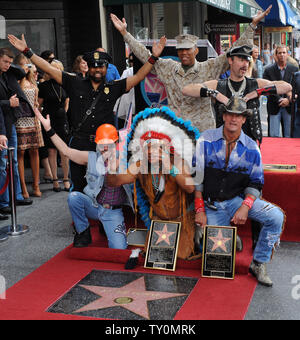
x=163 y=245
x=219 y=249
x=126 y=296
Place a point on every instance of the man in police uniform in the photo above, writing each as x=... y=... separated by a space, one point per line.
x=91 y=100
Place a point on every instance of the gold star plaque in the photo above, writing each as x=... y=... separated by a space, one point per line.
x=219 y=249
x=163 y=245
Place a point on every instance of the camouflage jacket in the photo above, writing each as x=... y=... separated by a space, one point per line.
x=171 y=73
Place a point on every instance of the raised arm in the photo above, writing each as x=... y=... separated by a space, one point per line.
x=147 y=67
x=21 y=45
x=79 y=157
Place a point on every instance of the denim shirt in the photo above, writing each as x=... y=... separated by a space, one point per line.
x=95 y=181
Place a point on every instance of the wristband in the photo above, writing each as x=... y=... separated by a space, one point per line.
x=28 y=52
x=50 y=133
x=152 y=60
x=266 y=91
x=199 y=205
x=248 y=202
x=205 y=92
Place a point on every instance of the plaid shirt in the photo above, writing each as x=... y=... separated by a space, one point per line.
x=111 y=196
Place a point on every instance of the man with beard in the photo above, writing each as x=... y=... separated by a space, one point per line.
x=239 y=85
x=91 y=100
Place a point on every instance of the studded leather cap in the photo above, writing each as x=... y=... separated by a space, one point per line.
x=240 y=51
x=237 y=106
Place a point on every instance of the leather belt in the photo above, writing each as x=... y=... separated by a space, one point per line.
x=111 y=207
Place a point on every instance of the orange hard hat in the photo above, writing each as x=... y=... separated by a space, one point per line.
x=106 y=134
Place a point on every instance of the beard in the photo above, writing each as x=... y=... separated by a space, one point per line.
x=97 y=80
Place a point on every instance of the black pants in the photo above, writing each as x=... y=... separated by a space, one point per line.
x=77 y=172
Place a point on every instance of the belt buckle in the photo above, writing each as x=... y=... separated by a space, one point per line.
x=106 y=206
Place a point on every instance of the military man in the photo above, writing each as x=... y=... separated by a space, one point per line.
x=176 y=75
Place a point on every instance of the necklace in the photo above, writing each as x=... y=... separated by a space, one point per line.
x=241 y=90
x=230 y=146
x=59 y=97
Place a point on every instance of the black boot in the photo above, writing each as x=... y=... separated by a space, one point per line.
x=83 y=239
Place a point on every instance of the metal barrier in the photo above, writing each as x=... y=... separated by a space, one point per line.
x=14 y=229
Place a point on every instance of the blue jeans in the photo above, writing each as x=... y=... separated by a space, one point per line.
x=270 y=216
x=297 y=125
x=275 y=120
x=4 y=198
x=82 y=208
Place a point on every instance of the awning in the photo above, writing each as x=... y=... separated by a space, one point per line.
x=282 y=14
x=292 y=17
x=245 y=8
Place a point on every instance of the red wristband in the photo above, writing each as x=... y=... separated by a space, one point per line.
x=199 y=205
x=249 y=202
x=152 y=60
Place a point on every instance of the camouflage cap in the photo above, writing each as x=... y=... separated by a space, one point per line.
x=186 y=41
x=236 y=105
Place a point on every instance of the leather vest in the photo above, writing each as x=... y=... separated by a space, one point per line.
x=252 y=127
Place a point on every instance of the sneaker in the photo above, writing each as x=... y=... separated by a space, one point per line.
x=260 y=272
x=83 y=239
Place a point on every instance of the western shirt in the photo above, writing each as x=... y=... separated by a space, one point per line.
x=218 y=181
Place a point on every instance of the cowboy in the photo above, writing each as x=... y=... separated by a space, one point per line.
x=239 y=85
x=99 y=201
x=230 y=178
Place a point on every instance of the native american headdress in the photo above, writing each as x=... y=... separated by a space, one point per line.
x=159 y=124
x=162 y=124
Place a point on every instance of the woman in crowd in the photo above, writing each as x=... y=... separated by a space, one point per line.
x=54 y=101
x=80 y=66
x=28 y=128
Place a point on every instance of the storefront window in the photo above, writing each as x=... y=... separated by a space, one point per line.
x=40 y=33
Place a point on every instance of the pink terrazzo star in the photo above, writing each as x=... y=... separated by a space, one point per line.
x=132 y=296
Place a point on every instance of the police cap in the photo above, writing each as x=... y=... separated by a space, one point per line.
x=97 y=59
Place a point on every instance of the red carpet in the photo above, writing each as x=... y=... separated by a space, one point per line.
x=283 y=188
x=211 y=298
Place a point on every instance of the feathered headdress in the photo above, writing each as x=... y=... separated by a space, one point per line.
x=159 y=124
x=162 y=124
